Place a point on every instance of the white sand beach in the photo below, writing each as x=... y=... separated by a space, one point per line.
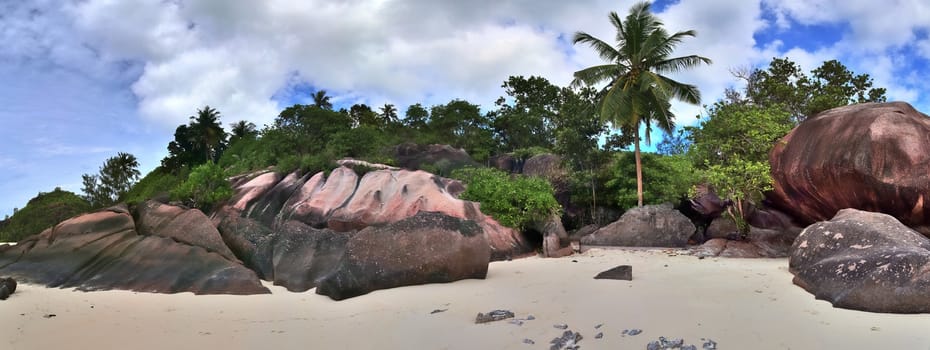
x=739 y=303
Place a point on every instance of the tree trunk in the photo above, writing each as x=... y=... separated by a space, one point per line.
x=639 y=170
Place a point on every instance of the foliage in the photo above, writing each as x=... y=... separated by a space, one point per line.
x=741 y=181
x=637 y=91
x=831 y=85
x=202 y=139
x=205 y=186
x=43 y=211
x=460 y=124
x=321 y=100
x=668 y=179
x=578 y=129
x=114 y=180
x=156 y=183
x=242 y=130
x=513 y=201
x=526 y=117
x=732 y=146
x=736 y=131
x=677 y=143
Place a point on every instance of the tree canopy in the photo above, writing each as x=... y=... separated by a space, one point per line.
x=638 y=92
x=115 y=178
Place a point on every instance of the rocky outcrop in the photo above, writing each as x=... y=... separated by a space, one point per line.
x=547 y=166
x=646 y=226
x=439 y=157
x=864 y=261
x=759 y=243
x=294 y=255
x=183 y=225
x=554 y=237
x=876 y=158
x=343 y=201
x=105 y=250
x=425 y=248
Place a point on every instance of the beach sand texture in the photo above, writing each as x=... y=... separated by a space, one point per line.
x=738 y=303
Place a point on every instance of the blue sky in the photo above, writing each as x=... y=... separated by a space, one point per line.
x=83 y=80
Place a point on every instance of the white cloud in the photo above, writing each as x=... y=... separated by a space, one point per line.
x=874 y=25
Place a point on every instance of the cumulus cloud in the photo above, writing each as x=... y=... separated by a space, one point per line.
x=178 y=56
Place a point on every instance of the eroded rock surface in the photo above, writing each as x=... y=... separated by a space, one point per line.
x=103 y=250
x=864 y=261
x=425 y=248
x=873 y=156
x=343 y=201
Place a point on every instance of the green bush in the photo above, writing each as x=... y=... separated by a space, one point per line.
x=43 y=211
x=666 y=179
x=204 y=187
x=158 y=182
x=515 y=201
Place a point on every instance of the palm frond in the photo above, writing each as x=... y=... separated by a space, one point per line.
x=597 y=74
x=604 y=50
x=683 y=92
x=677 y=64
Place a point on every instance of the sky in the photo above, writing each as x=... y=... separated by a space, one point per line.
x=83 y=80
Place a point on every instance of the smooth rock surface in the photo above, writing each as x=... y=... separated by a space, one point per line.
x=646 y=226
x=103 y=250
x=426 y=248
x=873 y=157
x=189 y=226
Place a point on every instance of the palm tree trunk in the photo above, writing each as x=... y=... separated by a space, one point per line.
x=639 y=170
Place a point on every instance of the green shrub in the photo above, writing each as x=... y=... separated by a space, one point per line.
x=43 y=211
x=666 y=179
x=158 y=182
x=204 y=187
x=515 y=201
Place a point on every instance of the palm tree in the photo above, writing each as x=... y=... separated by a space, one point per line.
x=389 y=114
x=207 y=134
x=242 y=129
x=321 y=100
x=637 y=92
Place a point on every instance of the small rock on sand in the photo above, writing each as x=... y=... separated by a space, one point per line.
x=622 y=272
x=492 y=316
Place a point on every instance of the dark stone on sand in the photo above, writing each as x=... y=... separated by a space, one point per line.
x=492 y=316
x=622 y=272
x=7 y=287
x=569 y=341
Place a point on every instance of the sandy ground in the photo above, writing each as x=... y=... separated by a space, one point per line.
x=740 y=304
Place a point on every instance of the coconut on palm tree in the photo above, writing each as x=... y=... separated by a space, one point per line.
x=638 y=92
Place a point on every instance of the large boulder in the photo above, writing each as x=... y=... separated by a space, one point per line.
x=293 y=255
x=864 y=261
x=188 y=226
x=104 y=250
x=425 y=248
x=646 y=226
x=872 y=156
x=343 y=201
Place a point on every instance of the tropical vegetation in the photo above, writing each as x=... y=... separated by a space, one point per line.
x=593 y=125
